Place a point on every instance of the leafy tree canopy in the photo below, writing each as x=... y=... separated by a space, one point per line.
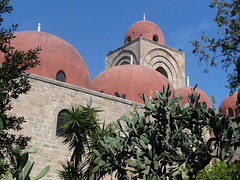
x=13 y=82
x=226 y=47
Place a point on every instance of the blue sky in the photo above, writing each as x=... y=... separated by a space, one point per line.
x=94 y=27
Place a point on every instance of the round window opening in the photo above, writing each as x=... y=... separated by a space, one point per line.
x=61 y=76
x=155 y=38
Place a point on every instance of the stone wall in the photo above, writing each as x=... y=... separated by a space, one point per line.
x=153 y=55
x=123 y=53
x=41 y=106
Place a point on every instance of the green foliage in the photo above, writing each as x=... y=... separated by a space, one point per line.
x=82 y=133
x=166 y=141
x=220 y=171
x=94 y=146
x=81 y=122
x=69 y=171
x=23 y=166
x=13 y=82
x=225 y=47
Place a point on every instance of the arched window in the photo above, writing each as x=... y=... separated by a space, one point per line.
x=205 y=105
x=124 y=63
x=129 y=39
x=61 y=76
x=155 y=38
x=230 y=112
x=60 y=121
x=162 y=71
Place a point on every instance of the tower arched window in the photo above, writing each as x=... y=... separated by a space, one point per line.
x=162 y=71
x=61 y=76
x=61 y=120
x=124 y=63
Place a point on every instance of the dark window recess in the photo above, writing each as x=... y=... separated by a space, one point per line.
x=162 y=71
x=155 y=38
x=123 y=96
x=129 y=39
x=62 y=115
x=61 y=76
x=205 y=104
x=230 y=112
x=124 y=63
x=117 y=94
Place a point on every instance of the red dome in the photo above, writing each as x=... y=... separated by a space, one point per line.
x=56 y=55
x=147 y=29
x=130 y=80
x=184 y=91
x=229 y=103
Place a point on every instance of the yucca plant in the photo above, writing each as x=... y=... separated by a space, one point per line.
x=69 y=171
x=82 y=133
x=81 y=122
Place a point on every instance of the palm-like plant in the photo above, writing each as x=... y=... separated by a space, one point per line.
x=80 y=124
x=69 y=172
x=82 y=133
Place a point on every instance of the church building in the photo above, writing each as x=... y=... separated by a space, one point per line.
x=143 y=64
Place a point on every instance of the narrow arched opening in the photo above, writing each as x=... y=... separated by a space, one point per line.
x=124 y=63
x=155 y=38
x=60 y=76
x=162 y=71
x=230 y=112
x=129 y=39
x=61 y=120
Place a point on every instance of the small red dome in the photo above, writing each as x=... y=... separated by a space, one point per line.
x=147 y=29
x=56 y=56
x=130 y=80
x=184 y=91
x=229 y=103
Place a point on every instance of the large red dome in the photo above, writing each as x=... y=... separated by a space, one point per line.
x=147 y=29
x=56 y=56
x=184 y=91
x=229 y=103
x=130 y=80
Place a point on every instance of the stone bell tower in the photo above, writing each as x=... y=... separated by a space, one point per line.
x=144 y=45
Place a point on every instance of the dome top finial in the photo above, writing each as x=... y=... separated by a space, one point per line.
x=39 y=27
x=144 y=17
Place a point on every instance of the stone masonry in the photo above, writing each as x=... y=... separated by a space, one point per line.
x=41 y=106
x=153 y=55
